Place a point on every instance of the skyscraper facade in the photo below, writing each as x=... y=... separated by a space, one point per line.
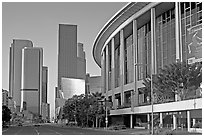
x=71 y=65
x=67 y=52
x=81 y=62
x=15 y=69
x=93 y=84
x=31 y=85
x=44 y=83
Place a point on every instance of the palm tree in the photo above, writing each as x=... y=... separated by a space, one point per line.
x=177 y=78
x=98 y=107
x=180 y=77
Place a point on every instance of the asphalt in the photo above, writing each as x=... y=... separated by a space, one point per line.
x=61 y=129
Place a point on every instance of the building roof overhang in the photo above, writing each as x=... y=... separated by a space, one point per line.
x=131 y=11
x=120 y=17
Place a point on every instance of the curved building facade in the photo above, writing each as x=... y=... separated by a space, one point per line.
x=136 y=42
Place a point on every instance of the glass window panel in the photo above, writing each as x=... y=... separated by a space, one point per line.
x=183 y=26
x=182 y=7
x=194 y=19
x=187 y=11
x=187 y=20
x=173 y=14
x=193 y=5
x=199 y=6
x=187 y=4
x=199 y=16
x=163 y=18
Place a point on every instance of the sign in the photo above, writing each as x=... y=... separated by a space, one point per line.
x=194 y=44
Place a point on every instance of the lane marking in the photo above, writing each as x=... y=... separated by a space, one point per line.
x=36 y=131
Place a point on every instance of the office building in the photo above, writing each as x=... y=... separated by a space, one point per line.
x=71 y=55
x=81 y=62
x=136 y=42
x=92 y=84
x=71 y=66
x=15 y=69
x=44 y=83
x=67 y=52
x=31 y=80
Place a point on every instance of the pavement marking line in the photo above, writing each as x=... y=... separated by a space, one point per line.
x=4 y=130
x=36 y=131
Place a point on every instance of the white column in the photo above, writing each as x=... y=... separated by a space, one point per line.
x=131 y=120
x=188 y=120
x=161 y=118
x=135 y=62
x=153 y=61
x=113 y=70
x=194 y=121
x=177 y=31
x=153 y=42
x=148 y=120
x=107 y=71
x=174 y=121
x=122 y=64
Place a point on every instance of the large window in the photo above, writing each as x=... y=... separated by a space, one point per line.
x=117 y=60
x=127 y=98
x=191 y=30
x=144 y=51
x=128 y=60
x=165 y=39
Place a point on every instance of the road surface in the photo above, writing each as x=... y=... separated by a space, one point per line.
x=55 y=130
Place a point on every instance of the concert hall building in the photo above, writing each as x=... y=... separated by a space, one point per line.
x=138 y=41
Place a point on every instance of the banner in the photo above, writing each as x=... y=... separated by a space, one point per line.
x=194 y=44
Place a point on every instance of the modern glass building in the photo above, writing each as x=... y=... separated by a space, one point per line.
x=31 y=80
x=136 y=42
x=15 y=67
x=67 y=52
x=44 y=84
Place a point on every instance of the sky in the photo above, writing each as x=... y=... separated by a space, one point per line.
x=39 y=22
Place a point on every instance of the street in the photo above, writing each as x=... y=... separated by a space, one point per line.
x=57 y=130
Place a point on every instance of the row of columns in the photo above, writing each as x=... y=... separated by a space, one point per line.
x=161 y=120
x=105 y=58
x=135 y=44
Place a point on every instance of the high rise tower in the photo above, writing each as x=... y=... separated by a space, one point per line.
x=67 y=52
x=15 y=69
x=44 y=83
x=31 y=79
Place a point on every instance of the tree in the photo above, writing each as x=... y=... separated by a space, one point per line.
x=177 y=78
x=98 y=108
x=180 y=78
x=6 y=114
x=84 y=109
